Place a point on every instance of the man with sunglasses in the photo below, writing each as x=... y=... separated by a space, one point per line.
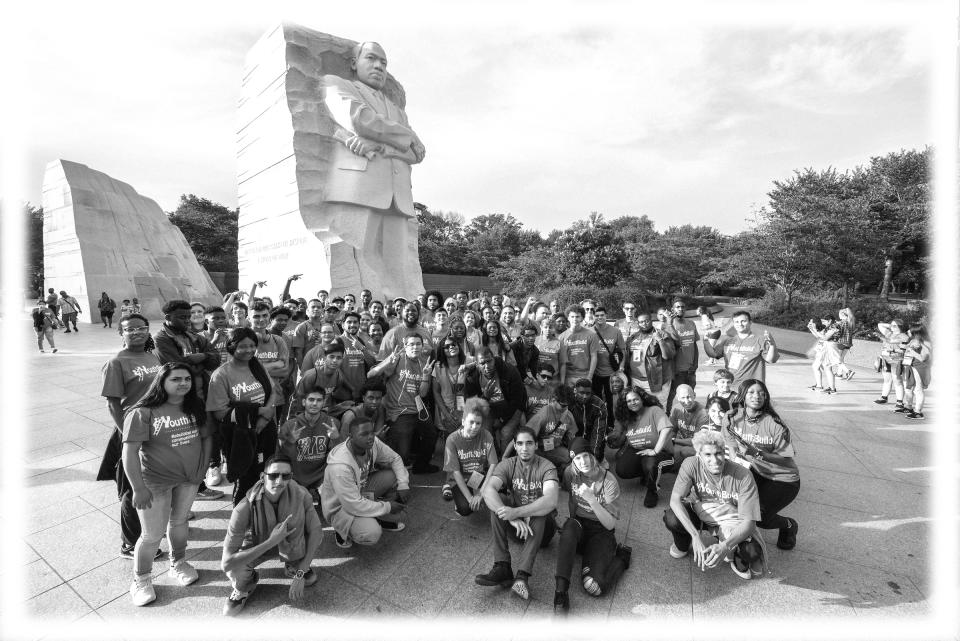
x=276 y=517
x=540 y=390
x=628 y=325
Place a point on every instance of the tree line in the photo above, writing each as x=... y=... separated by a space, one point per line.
x=862 y=230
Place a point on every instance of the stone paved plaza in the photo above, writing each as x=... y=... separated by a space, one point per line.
x=862 y=549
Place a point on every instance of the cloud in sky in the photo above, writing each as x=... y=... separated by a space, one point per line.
x=548 y=119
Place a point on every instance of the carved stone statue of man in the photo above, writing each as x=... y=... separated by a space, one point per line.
x=367 y=216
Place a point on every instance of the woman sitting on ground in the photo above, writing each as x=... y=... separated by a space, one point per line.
x=594 y=512
x=642 y=430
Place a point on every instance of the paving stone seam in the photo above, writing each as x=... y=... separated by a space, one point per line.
x=808 y=466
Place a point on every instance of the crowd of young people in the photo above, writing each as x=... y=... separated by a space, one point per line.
x=327 y=406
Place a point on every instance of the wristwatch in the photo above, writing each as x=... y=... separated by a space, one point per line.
x=299 y=575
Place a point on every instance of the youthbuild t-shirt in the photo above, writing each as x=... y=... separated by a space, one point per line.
x=469 y=455
x=128 y=375
x=767 y=436
x=643 y=432
x=525 y=483
x=607 y=491
x=714 y=500
x=171 y=451
x=576 y=347
x=233 y=384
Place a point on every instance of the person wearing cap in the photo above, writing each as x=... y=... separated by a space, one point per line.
x=327 y=375
x=409 y=325
x=594 y=513
x=715 y=494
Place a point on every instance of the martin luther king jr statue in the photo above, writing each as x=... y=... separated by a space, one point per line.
x=369 y=205
x=324 y=152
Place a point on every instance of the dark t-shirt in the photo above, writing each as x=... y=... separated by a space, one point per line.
x=469 y=455
x=307 y=446
x=642 y=433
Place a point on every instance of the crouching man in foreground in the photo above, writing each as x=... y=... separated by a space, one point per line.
x=276 y=517
x=719 y=496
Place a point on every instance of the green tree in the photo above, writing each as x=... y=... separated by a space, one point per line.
x=493 y=239
x=677 y=259
x=441 y=242
x=535 y=270
x=210 y=230
x=590 y=253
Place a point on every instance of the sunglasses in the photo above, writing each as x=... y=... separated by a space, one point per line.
x=273 y=476
x=450 y=345
x=547 y=376
x=588 y=309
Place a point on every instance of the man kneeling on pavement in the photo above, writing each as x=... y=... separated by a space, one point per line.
x=276 y=517
x=721 y=497
x=364 y=487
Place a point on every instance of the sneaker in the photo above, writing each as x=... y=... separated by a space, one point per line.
x=900 y=409
x=501 y=574
x=429 y=468
x=309 y=578
x=916 y=415
x=54 y=350
x=209 y=495
x=127 y=553
x=849 y=375
x=42 y=352
x=625 y=552
x=342 y=542
x=141 y=590
x=213 y=477
x=238 y=599
x=183 y=572
x=739 y=567
x=521 y=589
x=561 y=603
x=826 y=390
x=788 y=535
x=447 y=492
x=881 y=401
x=391 y=526
x=591 y=586
x=651 y=498
x=816 y=388
x=676 y=552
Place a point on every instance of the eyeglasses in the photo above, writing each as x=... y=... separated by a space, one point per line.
x=273 y=476
x=135 y=330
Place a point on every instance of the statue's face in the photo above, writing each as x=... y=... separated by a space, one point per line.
x=371 y=65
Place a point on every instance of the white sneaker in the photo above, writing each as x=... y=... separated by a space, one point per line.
x=213 y=477
x=141 y=590
x=676 y=552
x=183 y=572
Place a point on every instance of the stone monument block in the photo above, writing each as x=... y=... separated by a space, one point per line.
x=308 y=203
x=100 y=235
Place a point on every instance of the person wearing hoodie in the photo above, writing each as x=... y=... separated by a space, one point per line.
x=364 y=487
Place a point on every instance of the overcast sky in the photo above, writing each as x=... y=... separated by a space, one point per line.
x=547 y=112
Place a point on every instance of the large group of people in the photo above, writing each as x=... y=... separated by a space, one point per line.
x=326 y=407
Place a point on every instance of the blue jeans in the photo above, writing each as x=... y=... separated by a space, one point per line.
x=167 y=512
